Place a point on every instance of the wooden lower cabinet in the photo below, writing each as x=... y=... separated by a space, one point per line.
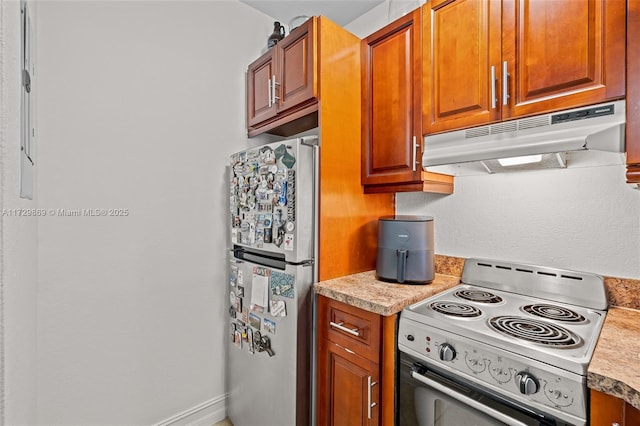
x=355 y=365
x=607 y=410
x=350 y=389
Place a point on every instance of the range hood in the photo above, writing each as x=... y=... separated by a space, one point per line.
x=597 y=127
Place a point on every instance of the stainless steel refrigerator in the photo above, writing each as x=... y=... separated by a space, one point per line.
x=273 y=203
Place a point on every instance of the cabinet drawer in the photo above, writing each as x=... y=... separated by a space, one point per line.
x=350 y=327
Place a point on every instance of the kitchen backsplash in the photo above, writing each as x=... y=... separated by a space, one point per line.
x=622 y=292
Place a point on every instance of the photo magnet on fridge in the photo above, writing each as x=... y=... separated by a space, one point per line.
x=278 y=308
x=250 y=345
x=254 y=321
x=233 y=275
x=232 y=330
x=237 y=339
x=269 y=326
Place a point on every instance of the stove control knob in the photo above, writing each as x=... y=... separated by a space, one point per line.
x=527 y=382
x=410 y=337
x=447 y=352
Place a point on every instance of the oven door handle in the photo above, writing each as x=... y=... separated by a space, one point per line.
x=468 y=401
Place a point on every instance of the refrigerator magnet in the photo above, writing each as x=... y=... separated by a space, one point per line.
x=250 y=345
x=233 y=275
x=269 y=325
x=254 y=321
x=288 y=242
x=232 y=329
x=278 y=308
x=237 y=339
x=282 y=284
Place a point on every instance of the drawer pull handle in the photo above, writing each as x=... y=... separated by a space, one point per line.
x=340 y=326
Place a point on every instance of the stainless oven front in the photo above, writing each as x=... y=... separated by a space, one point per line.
x=427 y=397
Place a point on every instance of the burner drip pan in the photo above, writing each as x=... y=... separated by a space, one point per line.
x=557 y=313
x=455 y=309
x=480 y=296
x=535 y=331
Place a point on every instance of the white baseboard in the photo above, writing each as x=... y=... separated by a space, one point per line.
x=205 y=414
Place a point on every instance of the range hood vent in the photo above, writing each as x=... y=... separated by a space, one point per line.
x=598 y=127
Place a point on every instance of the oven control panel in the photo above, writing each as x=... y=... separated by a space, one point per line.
x=540 y=386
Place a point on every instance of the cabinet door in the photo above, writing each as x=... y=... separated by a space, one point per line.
x=260 y=105
x=347 y=387
x=460 y=64
x=562 y=54
x=391 y=109
x=296 y=81
x=606 y=409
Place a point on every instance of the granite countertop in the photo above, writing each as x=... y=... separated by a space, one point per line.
x=615 y=365
x=364 y=291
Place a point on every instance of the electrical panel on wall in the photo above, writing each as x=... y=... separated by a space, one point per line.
x=27 y=129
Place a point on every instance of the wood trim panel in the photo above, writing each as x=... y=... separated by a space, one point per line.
x=388 y=366
x=289 y=123
x=431 y=182
x=348 y=218
x=633 y=173
x=633 y=91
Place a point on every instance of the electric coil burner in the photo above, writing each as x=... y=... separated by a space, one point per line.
x=519 y=337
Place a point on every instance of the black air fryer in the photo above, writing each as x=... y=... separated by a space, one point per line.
x=405 y=249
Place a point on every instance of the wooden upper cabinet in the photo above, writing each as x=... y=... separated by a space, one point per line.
x=518 y=57
x=562 y=54
x=259 y=80
x=282 y=86
x=296 y=81
x=461 y=47
x=391 y=111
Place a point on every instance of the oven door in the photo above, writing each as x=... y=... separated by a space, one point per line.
x=427 y=398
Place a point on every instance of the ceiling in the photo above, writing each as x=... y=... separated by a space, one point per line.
x=339 y=11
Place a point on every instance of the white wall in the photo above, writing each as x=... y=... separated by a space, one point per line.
x=18 y=238
x=140 y=105
x=386 y=12
x=584 y=217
